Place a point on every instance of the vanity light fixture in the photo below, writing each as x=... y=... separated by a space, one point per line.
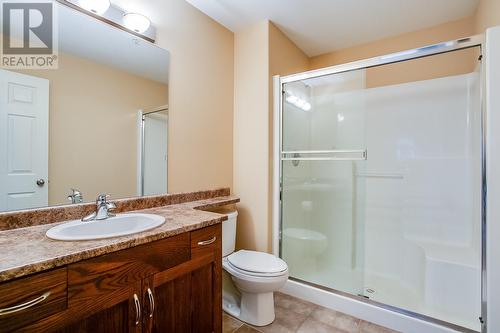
x=98 y=7
x=107 y=12
x=136 y=22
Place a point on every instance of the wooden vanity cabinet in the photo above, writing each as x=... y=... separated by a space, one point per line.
x=29 y=299
x=188 y=297
x=115 y=314
x=170 y=285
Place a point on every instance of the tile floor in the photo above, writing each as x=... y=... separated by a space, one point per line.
x=298 y=316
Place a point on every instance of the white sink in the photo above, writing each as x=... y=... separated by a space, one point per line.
x=120 y=225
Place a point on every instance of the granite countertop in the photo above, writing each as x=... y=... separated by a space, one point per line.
x=27 y=250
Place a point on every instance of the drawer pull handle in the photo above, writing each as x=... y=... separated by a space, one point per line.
x=137 y=310
x=151 y=303
x=24 y=306
x=208 y=242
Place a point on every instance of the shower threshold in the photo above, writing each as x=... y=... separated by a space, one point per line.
x=364 y=299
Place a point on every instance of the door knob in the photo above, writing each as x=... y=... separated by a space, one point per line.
x=40 y=182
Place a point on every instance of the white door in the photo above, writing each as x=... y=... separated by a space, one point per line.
x=24 y=140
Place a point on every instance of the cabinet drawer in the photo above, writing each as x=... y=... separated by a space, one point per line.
x=206 y=240
x=26 y=300
x=88 y=280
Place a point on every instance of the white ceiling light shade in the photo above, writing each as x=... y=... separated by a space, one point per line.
x=136 y=22
x=95 y=6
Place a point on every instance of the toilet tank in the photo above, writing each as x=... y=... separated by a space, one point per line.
x=228 y=230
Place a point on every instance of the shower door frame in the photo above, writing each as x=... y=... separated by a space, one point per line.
x=279 y=155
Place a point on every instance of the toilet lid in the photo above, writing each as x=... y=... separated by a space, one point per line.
x=257 y=262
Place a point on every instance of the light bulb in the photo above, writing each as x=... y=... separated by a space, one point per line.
x=136 y=22
x=95 y=6
x=292 y=99
x=307 y=107
x=300 y=103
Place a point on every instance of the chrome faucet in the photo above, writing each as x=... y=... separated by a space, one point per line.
x=103 y=208
x=75 y=196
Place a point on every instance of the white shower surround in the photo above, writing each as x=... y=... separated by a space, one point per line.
x=418 y=245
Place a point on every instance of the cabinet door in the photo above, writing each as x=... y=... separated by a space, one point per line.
x=184 y=298
x=124 y=314
x=172 y=305
x=203 y=299
x=204 y=242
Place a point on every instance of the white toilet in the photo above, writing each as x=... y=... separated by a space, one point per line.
x=256 y=276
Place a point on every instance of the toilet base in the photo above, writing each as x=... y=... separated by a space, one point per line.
x=253 y=309
x=231 y=305
x=257 y=309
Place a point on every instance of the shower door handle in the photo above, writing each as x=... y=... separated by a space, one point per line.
x=324 y=155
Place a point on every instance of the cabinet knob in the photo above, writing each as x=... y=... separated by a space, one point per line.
x=40 y=182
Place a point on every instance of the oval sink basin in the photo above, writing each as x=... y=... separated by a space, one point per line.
x=120 y=225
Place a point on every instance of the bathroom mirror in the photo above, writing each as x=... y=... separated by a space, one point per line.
x=96 y=124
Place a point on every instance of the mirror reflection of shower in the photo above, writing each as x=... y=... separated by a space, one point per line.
x=152 y=151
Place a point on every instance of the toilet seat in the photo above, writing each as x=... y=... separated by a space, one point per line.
x=257 y=264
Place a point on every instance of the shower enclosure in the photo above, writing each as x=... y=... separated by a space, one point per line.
x=380 y=181
x=152 y=161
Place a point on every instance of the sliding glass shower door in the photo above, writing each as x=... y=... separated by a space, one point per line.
x=381 y=184
x=324 y=149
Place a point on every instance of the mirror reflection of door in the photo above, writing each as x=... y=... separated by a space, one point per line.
x=24 y=140
x=154 y=156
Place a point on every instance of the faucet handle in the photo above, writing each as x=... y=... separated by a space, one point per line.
x=110 y=206
x=75 y=191
x=102 y=199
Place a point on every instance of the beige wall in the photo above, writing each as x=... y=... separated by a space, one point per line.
x=93 y=127
x=200 y=95
x=261 y=51
x=487 y=15
x=442 y=65
x=284 y=58
x=251 y=135
x=440 y=33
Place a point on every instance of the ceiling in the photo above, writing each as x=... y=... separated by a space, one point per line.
x=321 y=26
x=110 y=46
